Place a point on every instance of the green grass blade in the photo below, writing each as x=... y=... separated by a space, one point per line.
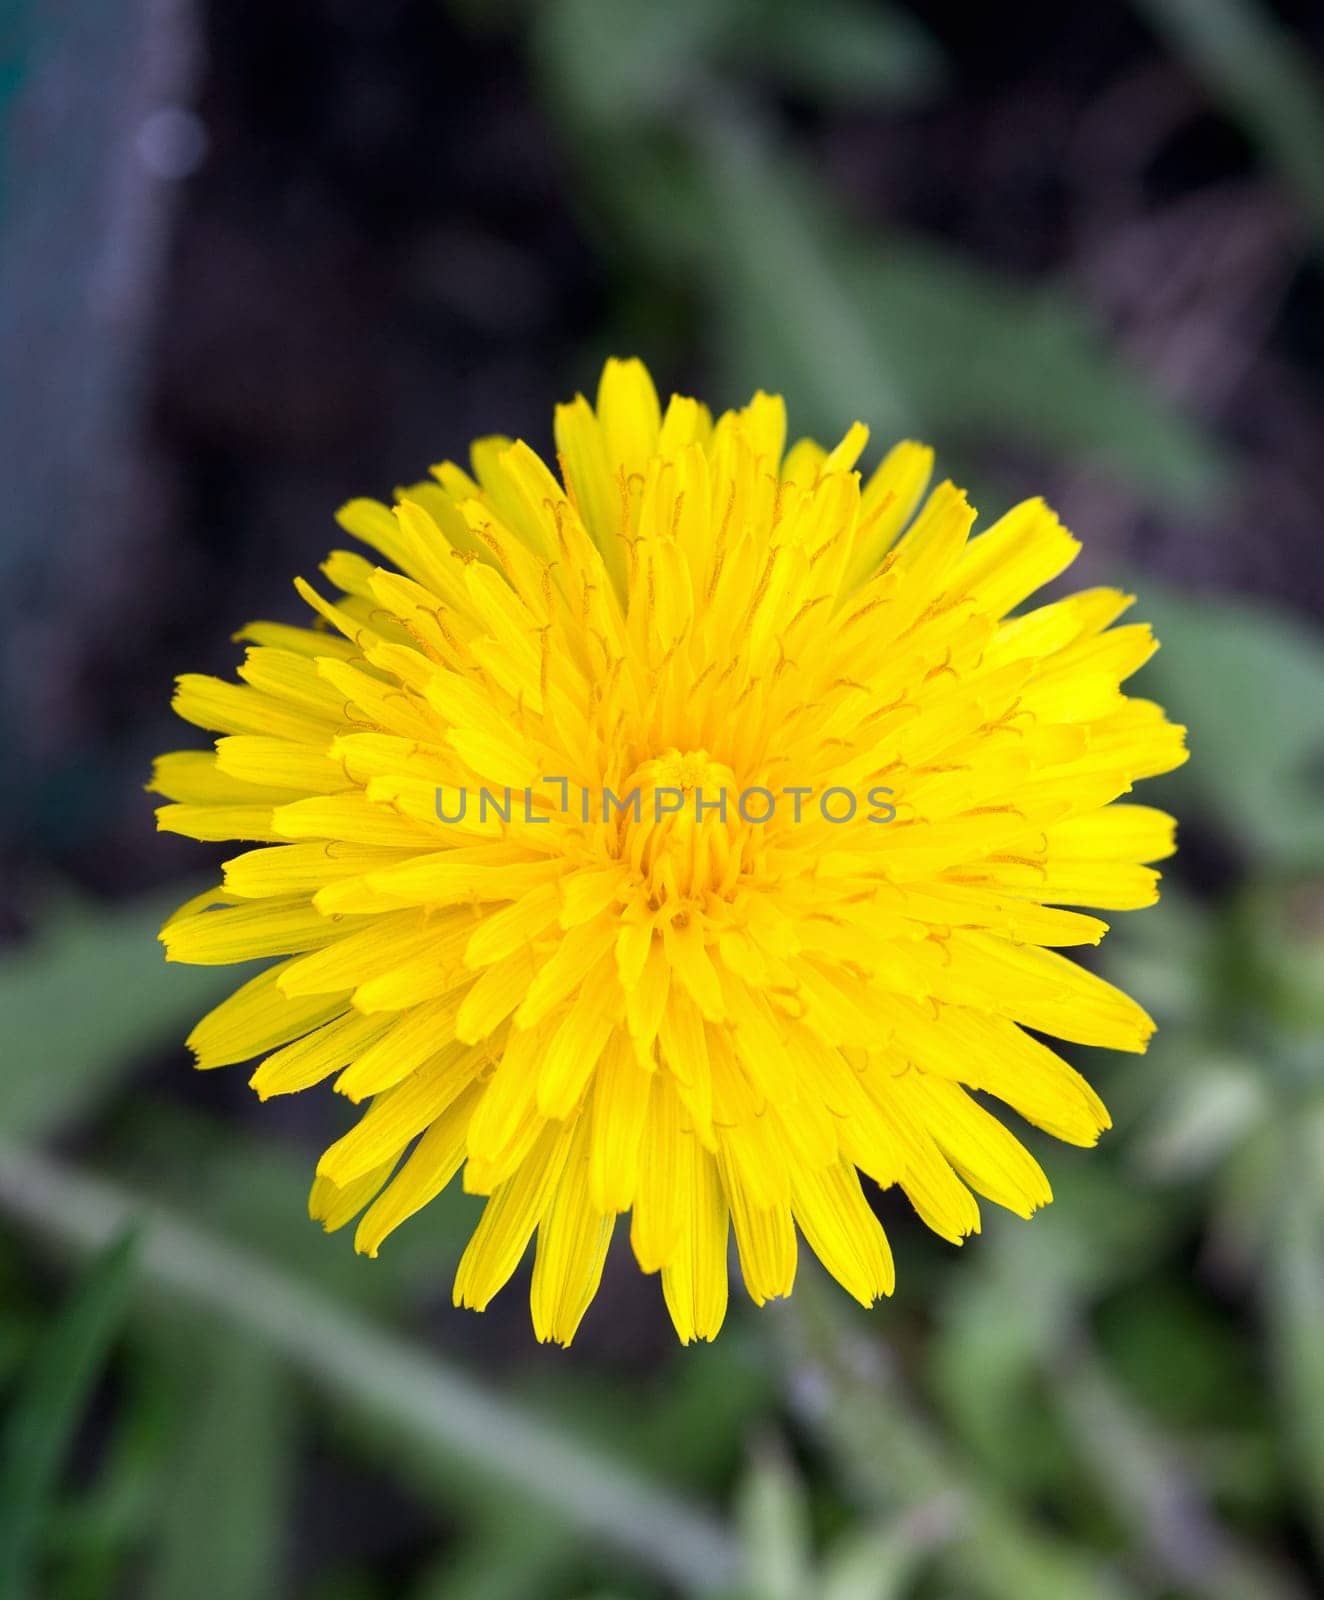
x=1296 y=1317
x=785 y=305
x=773 y=1513
x=840 y=52
x=50 y=1402
x=221 y=1532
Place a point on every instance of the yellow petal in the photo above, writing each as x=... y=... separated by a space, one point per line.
x=694 y=1280
x=511 y=1214
x=573 y=1238
x=843 y=1232
x=431 y=1165
x=257 y=1017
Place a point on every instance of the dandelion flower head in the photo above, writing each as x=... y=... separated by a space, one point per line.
x=716 y=1016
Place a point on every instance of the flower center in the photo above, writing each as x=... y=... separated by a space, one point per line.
x=684 y=836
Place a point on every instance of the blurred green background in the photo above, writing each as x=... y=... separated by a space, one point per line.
x=254 y=259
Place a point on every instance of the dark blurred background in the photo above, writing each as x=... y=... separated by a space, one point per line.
x=255 y=259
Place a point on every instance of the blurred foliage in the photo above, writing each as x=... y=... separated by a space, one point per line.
x=691 y=181
x=1124 y=1399
x=1257 y=68
x=63 y=1057
x=1250 y=685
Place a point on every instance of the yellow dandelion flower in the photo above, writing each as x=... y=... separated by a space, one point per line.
x=687 y=835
